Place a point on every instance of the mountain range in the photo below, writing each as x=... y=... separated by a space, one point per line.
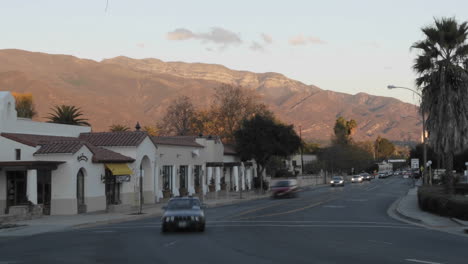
x=123 y=90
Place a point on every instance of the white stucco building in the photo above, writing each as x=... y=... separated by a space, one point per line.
x=66 y=169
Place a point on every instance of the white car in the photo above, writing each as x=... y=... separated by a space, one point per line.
x=357 y=178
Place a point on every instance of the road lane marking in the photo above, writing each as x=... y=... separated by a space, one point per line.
x=289 y=225
x=104 y=231
x=333 y=206
x=170 y=244
x=422 y=261
x=380 y=242
x=256 y=209
x=373 y=188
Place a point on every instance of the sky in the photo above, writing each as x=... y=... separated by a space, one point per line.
x=348 y=46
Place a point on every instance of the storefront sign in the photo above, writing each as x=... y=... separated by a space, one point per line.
x=82 y=157
x=122 y=178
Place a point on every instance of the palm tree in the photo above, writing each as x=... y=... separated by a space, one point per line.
x=67 y=114
x=443 y=80
x=119 y=128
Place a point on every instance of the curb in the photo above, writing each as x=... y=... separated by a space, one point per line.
x=402 y=215
x=458 y=221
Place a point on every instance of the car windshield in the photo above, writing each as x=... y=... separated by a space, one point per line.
x=337 y=178
x=356 y=176
x=183 y=204
x=282 y=184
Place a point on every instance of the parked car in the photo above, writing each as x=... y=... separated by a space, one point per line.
x=337 y=181
x=284 y=188
x=183 y=213
x=356 y=178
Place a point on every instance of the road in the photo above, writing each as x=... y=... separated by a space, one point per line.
x=324 y=225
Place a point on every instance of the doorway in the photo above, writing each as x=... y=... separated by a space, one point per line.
x=80 y=192
x=44 y=190
x=16 y=189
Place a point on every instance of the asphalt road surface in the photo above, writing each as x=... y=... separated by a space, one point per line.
x=323 y=225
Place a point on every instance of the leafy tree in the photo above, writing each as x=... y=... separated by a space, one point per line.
x=24 y=105
x=344 y=129
x=151 y=130
x=118 y=128
x=384 y=149
x=442 y=77
x=232 y=105
x=261 y=138
x=67 y=114
x=310 y=148
x=179 y=117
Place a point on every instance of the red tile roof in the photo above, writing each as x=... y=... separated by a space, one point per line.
x=185 y=141
x=114 y=139
x=57 y=145
x=34 y=140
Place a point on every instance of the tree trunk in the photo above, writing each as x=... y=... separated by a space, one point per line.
x=449 y=182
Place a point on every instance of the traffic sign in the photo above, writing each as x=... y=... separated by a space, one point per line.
x=415 y=163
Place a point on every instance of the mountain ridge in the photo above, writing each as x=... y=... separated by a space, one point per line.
x=125 y=90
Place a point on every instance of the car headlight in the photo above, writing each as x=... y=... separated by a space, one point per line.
x=331 y=182
x=341 y=181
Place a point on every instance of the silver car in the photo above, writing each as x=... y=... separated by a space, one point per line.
x=337 y=181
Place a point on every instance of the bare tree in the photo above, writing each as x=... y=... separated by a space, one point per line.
x=179 y=117
x=233 y=104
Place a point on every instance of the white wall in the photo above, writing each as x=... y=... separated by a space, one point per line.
x=7 y=150
x=64 y=182
x=11 y=124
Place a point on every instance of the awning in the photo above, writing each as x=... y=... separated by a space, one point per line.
x=119 y=168
x=30 y=165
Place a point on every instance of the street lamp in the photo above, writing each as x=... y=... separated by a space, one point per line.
x=423 y=127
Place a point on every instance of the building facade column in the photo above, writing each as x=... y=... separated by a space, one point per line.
x=175 y=187
x=235 y=170
x=209 y=176
x=157 y=185
x=204 y=179
x=191 y=188
x=31 y=186
x=248 y=172
x=242 y=177
x=218 y=178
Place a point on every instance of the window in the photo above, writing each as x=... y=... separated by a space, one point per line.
x=197 y=175
x=167 y=177
x=294 y=163
x=183 y=176
x=18 y=154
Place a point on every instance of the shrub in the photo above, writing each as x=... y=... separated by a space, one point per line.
x=434 y=200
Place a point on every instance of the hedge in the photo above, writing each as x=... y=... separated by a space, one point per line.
x=433 y=199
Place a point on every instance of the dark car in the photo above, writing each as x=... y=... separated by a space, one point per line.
x=366 y=176
x=337 y=181
x=183 y=213
x=284 y=188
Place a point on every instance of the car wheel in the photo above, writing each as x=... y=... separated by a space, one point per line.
x=201 y=228
x=164 y=229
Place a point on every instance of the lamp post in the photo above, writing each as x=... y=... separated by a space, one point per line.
x=423 y=127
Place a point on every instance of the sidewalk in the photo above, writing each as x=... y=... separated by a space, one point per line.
x=56 y=223
x=407 y=209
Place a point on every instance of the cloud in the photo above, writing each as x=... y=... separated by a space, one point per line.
x=180 y=34
x=141 y=45
x=255 y=46
x=216 y=35
x=267 y=38
x=301 y=40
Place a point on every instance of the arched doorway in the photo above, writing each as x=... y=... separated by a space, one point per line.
x=146 y=180
x=80 y=191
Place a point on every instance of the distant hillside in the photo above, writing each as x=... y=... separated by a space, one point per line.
x=125 y=90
